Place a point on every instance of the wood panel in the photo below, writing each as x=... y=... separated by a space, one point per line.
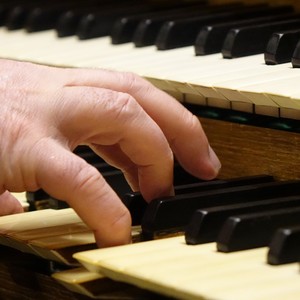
x=249 y=150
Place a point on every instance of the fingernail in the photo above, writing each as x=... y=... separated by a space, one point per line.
x=214 y=159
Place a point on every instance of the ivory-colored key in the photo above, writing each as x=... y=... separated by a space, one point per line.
x=15 y=230
x=60 y=248
x=282 y=91
x=75 y=280
x=196 y=272
x=95 y=285
x=51 y=234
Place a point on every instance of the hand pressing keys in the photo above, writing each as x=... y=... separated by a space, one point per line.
x=47 y=112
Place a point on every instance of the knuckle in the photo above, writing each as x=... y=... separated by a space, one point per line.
x=122 y=103
x=94 y=101
x=86 y=176
x=122 y=220
x=130 y=79
x=122 y=107
x=16 y=155
x=134 y=83
x=89 y=182
x=191 y=120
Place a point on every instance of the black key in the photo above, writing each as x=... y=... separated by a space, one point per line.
x=250 y=40
x=281 y=46
x=45 y=17
x=183 y=32
x=17 y=17
x=206 y=223
x=137 y=198
x=104 y=167
x=180 y=176
x=18 y=14
x=201 y=186
x=127 y=27
x=38 y=195
x=220 y=184
x=173 y=213
x=296 y=56
x=147 y=29
x=91 y=157
x=254 y=230
x=5 y=9
x=81 y=149
x=285 y=246
x=123 y=29
x=211 y=38
x=100 y=24
x=136 y=205
x=69 y=21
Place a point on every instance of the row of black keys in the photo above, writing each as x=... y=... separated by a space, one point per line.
x=233 y=29
x=238 y=214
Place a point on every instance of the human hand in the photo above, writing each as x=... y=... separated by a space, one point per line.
x=46 y=112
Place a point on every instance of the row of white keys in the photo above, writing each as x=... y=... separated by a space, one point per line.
x=73 y=53
x=223 y=82
x=40 y=46
x=216 y=78
x=188 y=70
x=181 y=65
x=183 y=271
x=283 y=91
x=19 y=44
x=46 y=233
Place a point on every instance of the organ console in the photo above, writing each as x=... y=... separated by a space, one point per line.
x=247 y=98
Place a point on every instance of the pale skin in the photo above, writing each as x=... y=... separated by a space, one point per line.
x=46 y=112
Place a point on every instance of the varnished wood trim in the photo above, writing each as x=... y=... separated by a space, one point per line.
x=249 y=150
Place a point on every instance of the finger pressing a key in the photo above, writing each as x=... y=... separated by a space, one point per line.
x=47 y=112
x=182 y=129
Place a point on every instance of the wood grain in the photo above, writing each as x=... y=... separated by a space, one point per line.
x=249 y=150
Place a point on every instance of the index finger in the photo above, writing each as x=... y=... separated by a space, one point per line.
x=67 y=177
x=181 y=128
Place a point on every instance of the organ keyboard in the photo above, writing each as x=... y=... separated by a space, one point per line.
x=167 y=266
x=250 y=112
